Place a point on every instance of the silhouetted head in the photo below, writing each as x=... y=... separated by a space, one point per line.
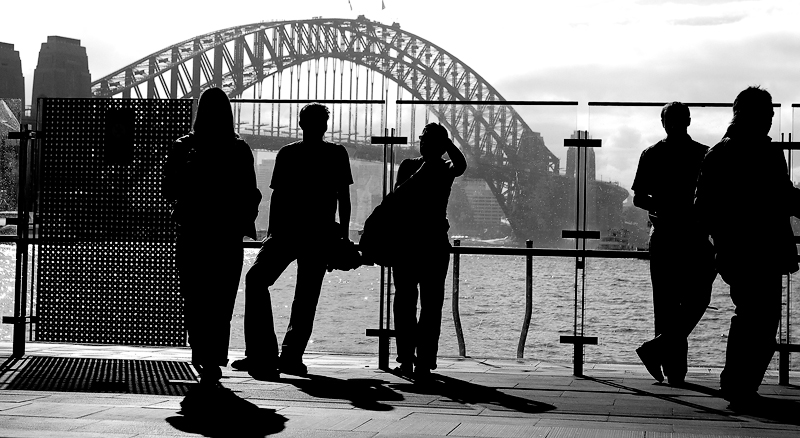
x=432 y=142
x=752 y=109
x=314 y=120
x=675 y=118
x=214 y=116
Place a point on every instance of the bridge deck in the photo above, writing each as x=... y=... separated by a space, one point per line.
x=346 y=396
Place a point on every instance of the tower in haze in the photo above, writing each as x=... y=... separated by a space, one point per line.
x=12 y=83
x=62 y=71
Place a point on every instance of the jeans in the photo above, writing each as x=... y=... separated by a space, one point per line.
x=273 y=258
x=209 y=277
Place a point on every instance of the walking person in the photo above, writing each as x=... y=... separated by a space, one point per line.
x=681 y=258
x=424 y=184
x=745 y=199
x=310 y=182
x=211 y=169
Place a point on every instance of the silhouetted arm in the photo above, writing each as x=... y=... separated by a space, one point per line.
x=343 y=198
x=250 y=193
x=457 y=158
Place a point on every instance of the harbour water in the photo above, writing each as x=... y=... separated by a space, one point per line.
x=492 y=299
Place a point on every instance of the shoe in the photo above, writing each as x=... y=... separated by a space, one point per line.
x=405 y=370
x=648 y=354
x=241 y=364
x=741 y=400
x=267 y=374
x=203 y=398
x=293 y=368
x=422 y=375
x=676 y=381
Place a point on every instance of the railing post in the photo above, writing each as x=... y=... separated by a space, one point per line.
x=462 y=349
x=523 y=335
x=20 y=284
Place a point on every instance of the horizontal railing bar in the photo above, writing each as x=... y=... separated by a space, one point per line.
x=551 y=252
x=490 y=102
x=307 y=101
x=691 y=104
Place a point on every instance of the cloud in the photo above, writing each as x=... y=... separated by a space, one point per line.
x=709 y=72
x=709 y=21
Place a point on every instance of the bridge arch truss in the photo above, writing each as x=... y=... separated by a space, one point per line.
x=502 y=149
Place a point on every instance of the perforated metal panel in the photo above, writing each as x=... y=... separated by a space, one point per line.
x=106 y=267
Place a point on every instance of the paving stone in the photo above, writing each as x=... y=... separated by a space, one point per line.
x=499 y=430
x=54 y=410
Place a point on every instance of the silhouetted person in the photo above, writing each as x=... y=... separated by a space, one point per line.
x=210 y=179
x=681 y=259
x=310 y=180
x=424 y=185
x=745 y=199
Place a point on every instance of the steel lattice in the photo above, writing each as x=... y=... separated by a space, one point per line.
x=106 y=269
x=503 y=149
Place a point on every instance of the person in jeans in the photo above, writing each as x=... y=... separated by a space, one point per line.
x=745 y=199
x=424 y=184
x=310 y=182
x=211 y=168
x=681 y=259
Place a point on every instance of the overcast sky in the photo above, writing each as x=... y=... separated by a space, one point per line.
x=584 y=50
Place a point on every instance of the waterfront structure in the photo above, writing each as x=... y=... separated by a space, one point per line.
x=62 y=70
x=347 y=59
x=12 y=82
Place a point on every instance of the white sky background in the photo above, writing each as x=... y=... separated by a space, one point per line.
x=580 y=50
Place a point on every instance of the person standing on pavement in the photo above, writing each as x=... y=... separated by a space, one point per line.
x=681 y=258
x=310 y=182
x=745 y=200
x=424 y=184
x=211 y=169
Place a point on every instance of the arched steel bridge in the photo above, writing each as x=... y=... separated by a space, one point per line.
x=501 y=147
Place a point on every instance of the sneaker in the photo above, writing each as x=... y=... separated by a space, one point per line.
x=405 y=370
x=422 y=375
x=268 y=374
x=241 y=364
x=650 y=357
x=293 y=368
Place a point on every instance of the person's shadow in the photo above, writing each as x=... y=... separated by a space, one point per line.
x=369 y=394
x=473 y=394
x=224 y=415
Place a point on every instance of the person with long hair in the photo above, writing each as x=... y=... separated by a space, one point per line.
x=747 y=210
x=210 y=180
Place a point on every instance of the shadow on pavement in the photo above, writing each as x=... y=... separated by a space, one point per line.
x=369 y=394
x=221 y=413
x=468 y=393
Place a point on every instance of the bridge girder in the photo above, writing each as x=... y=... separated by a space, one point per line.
x=502 y=148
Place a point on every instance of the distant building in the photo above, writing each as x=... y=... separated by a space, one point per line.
x=485 y=209
x=62 y=71
x=12 y=83
x=572 y=159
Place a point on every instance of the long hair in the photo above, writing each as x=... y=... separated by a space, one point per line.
x=214 y=115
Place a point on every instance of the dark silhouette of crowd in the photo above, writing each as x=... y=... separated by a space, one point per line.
x=694 y=195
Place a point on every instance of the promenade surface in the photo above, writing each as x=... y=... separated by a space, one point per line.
x=347 y=396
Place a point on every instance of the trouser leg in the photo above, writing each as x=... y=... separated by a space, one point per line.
x=261 y=344
x=310 y=273
x=431 y=302
x=405 y=312
x=751 y=340
x=208 y=286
